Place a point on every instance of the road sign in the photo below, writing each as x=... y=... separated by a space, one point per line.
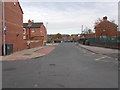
x=4 y=27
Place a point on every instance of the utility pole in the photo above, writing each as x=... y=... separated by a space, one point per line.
x=46 y=25
x=82 y=28
x=46 y=28
x=3 y=29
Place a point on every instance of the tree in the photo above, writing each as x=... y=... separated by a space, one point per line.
x=58 y=36
x=98 y=21
x=89 y=31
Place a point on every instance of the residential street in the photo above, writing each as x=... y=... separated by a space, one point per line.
x=67 y=66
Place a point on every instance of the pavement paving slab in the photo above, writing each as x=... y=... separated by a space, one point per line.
x=100 y=50
x=29 y=53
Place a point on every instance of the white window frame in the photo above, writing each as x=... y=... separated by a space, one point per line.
x=33 y=30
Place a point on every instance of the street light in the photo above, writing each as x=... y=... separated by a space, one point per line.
x=46 y=25
x=29 y=26
x=3 y=29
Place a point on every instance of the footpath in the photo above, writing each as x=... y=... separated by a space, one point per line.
x=29 y=53
x=100 y=50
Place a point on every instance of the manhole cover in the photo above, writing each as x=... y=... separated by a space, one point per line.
x=9 y=69
x=52 y=64
x=27 y=54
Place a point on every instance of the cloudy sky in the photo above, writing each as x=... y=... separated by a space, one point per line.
x=68 y=17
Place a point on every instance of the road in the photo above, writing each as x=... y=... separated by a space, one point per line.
x=67 y=66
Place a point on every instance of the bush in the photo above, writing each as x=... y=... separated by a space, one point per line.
x=57 y=41
x=49 y=42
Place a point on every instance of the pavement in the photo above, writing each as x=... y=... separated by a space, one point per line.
x=100 y=50
x=67 y=66
x=30 y=53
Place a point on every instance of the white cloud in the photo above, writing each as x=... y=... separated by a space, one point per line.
x=68 y=17
x=67 y=0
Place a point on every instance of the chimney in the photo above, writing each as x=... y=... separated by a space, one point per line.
x=29 y=22
x=105 y=18
x=32 y=21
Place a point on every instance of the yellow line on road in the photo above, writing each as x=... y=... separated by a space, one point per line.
x=100 y=58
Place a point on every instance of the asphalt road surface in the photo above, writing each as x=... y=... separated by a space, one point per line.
x=67 y=66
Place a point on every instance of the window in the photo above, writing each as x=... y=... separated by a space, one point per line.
x=24 y=37
x=32 y=30
x=14 y=3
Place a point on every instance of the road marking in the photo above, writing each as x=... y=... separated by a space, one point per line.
x=108 y=59
x=100 y=58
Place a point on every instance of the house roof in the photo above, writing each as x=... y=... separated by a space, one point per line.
x=111 y=24
x=34 y=25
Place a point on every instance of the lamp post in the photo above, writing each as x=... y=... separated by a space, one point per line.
x=29 y=35
x=3 y=29
x=46 y=25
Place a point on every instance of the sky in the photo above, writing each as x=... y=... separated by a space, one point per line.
x=68 y=17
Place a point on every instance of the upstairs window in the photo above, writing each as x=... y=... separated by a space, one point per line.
x=14 y=3
x=24 y=31
x=41 y=31
x=32 y=30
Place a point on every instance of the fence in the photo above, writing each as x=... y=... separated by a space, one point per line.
x=108 y=42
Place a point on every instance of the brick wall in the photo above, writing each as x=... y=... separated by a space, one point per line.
x=44 y=33
x=14 y=23
x=36 y=44
x=105 y=29
x=32 y=32
x=91 y=35
x=38 y=32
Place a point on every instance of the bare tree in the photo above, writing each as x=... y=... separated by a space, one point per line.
x=98 y=21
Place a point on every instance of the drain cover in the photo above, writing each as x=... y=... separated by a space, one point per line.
x=27 y=54
x=52 y=64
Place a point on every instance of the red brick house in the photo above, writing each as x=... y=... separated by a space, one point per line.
x=105 y=28
x=35 y=34
x=13 y=17
x=90 y=35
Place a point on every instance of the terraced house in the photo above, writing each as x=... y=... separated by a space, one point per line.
x=13 y=20
x=35 y=34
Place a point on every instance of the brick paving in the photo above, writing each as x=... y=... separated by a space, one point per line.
x=45 y=50
x=29 y=53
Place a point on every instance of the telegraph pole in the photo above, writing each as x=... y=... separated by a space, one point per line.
x=3 y=28
x=46 y=28
x=46 y=25
x=82 y=28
